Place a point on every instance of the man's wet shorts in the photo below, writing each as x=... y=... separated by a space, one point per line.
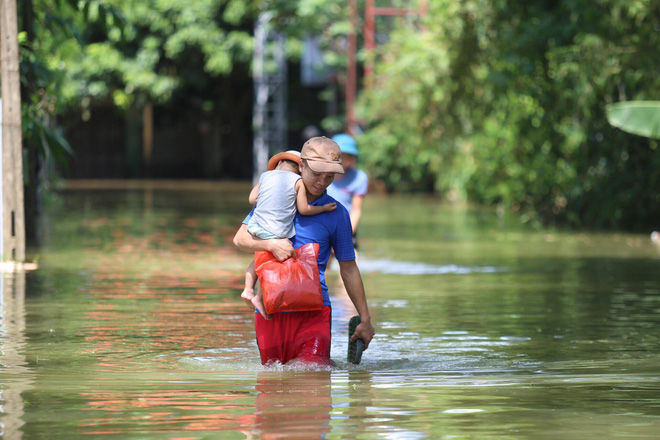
x=297 y=335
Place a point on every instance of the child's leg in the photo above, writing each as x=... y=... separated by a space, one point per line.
x=250 y=282
x=251 y=298
x=258 y=302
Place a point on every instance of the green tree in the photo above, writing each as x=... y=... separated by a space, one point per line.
x=504 y=103
x=45 y=25
x=131 y=54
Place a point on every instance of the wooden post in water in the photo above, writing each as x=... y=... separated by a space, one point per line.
x=147 y=136
x=13 y=216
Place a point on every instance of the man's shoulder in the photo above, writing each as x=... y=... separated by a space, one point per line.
x=340 y=214
x=324 y=199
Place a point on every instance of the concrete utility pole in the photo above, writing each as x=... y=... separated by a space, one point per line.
x=13 y=216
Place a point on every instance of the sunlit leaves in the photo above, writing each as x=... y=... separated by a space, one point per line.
x=235 y=11
x=637 y=117
x=504 y=102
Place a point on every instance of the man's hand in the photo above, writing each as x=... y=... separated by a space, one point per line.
x=282 y=249
x=364 y=331
x=350 y=274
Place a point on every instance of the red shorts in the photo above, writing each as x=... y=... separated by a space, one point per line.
x=295 y=335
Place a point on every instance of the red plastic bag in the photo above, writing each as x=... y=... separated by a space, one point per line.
x=292 y=285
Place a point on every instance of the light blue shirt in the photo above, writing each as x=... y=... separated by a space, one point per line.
x=276 y=203
x=354 y=183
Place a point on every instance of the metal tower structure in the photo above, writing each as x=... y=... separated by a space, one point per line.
x=270 y=94
x=371 y=11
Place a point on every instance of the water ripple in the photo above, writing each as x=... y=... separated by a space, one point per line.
x=386 y=266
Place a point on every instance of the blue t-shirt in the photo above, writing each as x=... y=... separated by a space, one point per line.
x=331 y=230
x=354 y=183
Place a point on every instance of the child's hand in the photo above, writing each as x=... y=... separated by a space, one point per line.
x=329 y=207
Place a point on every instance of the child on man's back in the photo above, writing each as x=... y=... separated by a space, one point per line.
x=279 y=193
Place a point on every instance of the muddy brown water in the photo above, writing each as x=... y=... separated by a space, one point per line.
x=132 y=327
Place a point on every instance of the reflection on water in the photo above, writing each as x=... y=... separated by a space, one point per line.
x=293 y=405
x=16 y=376
x=133 y=328
x=161 y=405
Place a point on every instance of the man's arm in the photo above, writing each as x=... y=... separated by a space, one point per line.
x=280 y=248
x=356 y=211
x=350 y=274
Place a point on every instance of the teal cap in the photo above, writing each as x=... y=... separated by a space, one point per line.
x=346 y=144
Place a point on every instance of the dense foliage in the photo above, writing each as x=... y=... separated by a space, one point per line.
x=504 y=103
x=127 y=53
x=125 y=50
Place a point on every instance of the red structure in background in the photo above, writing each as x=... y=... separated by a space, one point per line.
x=370 y=13
x=351 y=77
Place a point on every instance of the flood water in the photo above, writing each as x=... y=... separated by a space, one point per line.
x=132 y=328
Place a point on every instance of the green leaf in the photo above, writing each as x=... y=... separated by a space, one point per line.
x=637 y=117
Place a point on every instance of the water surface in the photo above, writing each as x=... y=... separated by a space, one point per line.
x=132 y=327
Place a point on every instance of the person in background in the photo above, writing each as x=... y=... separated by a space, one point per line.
x=350 y=188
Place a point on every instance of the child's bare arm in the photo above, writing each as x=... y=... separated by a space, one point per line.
x=306 y=209
x=253 y=195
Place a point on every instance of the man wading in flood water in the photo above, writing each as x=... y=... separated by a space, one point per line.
x=305 y=336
